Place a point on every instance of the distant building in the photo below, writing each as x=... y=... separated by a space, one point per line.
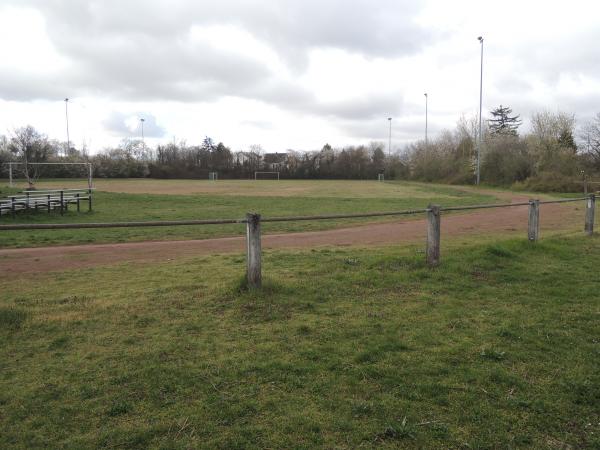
x=275 y=161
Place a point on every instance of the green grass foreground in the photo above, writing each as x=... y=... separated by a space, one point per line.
x=295 y=197
x=497 y=348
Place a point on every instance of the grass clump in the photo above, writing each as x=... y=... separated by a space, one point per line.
x=12 y=318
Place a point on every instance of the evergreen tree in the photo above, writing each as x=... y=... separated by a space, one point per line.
x=567 y=141
x=503 y=122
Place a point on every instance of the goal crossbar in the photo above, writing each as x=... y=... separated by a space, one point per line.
x=264 y=173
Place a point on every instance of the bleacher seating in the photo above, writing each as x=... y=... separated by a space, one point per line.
x=46 y=200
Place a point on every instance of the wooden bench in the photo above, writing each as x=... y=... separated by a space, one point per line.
x=46 y=199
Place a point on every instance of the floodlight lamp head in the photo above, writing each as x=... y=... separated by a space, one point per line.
x=480 y=39
x=67 y=99
x=390 y=119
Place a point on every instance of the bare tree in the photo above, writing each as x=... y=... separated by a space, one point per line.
x=590 y=139
x=29 y=146
x=546 y=125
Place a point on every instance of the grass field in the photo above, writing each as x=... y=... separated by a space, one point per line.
x=345 y=348
x=141 y=199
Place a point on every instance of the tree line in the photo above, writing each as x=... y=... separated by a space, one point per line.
x=551 y=156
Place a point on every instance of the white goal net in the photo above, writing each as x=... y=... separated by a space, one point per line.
x=48 y=174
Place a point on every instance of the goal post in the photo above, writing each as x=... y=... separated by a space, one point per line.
x=380 y=177
x=266 y=175
x=213 y=176
x=12 y=166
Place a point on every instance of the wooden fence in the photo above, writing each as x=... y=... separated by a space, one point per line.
x=253 y=224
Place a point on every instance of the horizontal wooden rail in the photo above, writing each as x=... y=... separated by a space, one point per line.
x=343 y=216
x=564 y=200
x=71 y=226
x=505 y=205
x=496 y=205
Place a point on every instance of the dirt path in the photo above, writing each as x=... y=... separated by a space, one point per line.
x=501 y=220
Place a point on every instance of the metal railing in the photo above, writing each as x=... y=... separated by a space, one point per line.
x=254 y=220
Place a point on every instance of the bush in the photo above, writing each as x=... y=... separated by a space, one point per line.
x=549 y=182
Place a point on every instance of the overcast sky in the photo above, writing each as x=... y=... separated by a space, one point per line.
x=288 y=74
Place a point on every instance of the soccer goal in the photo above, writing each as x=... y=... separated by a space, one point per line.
x=31 y=173
x=266 y=175
x=213 y=176
x=380 y=177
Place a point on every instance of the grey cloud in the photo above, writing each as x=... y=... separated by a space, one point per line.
x=377 y=105
x=25 y=87
x=139 y=49
x=403 y=129
x=261 y=124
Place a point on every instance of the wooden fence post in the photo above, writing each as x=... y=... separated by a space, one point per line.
x=590 y=209
x=253 y=256
x=433 y=235
x=533 y=230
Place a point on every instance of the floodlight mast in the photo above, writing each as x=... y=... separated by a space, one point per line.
x=390 y=138
x=67 y=120
x=142 y=120
x=426 y=98
x=480 y=39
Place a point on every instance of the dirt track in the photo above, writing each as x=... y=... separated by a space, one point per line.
x=501 y=220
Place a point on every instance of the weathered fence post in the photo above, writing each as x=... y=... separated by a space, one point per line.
x=590 y=209
x=433 y=235
x=62 y=203
x=253 y=262
x=533 y=230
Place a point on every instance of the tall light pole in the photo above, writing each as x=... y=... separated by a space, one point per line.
x=480 y=39
x=143 y=141
x=390 y=139
x=67 y=119
x=426 y=119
